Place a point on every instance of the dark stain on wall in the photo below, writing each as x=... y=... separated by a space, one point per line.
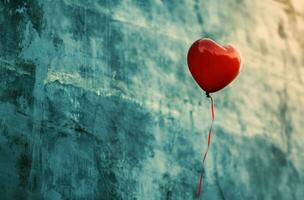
x=14 y=18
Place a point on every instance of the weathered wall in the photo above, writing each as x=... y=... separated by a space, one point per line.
x=96 y=101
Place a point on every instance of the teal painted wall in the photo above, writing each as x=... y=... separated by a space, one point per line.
x=96 y=101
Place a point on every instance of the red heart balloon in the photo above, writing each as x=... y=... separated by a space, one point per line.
x=213 y=66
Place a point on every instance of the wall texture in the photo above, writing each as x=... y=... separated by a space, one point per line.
x=96 y=101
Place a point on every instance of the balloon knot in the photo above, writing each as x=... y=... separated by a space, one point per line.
x=207 y=95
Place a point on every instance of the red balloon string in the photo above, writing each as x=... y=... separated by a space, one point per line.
x=205 y=155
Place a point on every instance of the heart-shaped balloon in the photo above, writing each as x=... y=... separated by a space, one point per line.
x=213 y=66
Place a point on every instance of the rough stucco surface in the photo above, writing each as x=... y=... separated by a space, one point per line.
x=96 y=101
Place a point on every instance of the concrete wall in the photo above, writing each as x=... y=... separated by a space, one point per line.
x=96 y=101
